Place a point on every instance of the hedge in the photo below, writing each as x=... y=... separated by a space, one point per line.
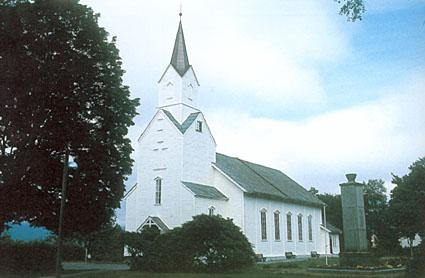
x=33 y=256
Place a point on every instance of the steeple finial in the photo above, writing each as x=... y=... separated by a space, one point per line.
x=180 y=13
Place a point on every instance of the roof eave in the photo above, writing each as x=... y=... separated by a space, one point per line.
x=281 y=198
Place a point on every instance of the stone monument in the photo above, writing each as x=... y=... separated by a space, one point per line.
x=353 y=216
x=354 y=224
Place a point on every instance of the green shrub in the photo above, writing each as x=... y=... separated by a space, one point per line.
x=416 y=265
x=72 y=252
x=140 y=246
x=207 y=243
x=216 y=244
x=35 y=256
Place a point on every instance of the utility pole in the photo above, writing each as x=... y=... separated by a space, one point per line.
x=62 y=208
x=326 y=236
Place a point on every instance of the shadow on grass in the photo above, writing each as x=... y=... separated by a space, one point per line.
x=296 y=269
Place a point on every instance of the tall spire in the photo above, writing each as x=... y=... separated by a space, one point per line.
x=179 y=59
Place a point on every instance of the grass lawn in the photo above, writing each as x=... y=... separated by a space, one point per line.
x=33 y=275
x=279 y=269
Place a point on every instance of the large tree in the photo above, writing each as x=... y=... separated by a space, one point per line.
x=407 y=204
x=378 y=217
x=375 y=203
x=333 y=208
x=61 y=88
x=376 y=212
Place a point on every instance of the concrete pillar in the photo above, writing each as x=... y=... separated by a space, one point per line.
x=353 y=215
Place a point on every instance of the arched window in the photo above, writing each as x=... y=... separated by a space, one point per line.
x=300 y=227
x=263 y=215
x=211 y=210
x=310 y=228
x=289 y=225
x=276 y=225
x=158 y=185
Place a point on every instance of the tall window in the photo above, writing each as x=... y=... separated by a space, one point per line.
x=158 y=184
x=300 y=227
x=289 y=226
x=199 y=126
x=276 y=225
x=310 y=228
x=263 y=224
x=211 y=210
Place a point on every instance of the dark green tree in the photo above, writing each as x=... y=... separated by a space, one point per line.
x=313 y=191
x=352 y=9
x=107 y=244
x=378 y=218
x=407 y=203
x=61 y=85
x=333 y=208
x=375 y=202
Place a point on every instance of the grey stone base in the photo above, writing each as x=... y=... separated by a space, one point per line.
x=334 y=272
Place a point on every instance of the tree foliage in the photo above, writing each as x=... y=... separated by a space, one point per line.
x=107 y=244
x=333 y=208
x=60 y=84
x=217 y=244
x=407 y=204
x=376 y=213
x=207 y=243
x=378 y=219
x=352 y=9
x=375 y=203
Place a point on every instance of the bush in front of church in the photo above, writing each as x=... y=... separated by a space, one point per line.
x=205 y=244
x=141 y=246
x=217 y=244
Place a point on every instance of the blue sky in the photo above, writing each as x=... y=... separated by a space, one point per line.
x=289 y=84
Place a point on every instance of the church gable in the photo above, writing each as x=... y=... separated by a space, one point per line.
x=153 y=221
x=194 y=119
x=157 y=123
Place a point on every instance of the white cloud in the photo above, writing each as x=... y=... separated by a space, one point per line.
x=373 y=139
x=264 y=52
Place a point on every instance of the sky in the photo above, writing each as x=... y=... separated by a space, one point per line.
x=288 y=84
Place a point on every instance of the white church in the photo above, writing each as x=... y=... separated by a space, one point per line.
x=180 y=175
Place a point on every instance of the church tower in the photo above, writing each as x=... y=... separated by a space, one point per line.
x=176 y=148
x=178 y=86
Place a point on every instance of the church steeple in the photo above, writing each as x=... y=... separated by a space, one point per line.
x=179 y=59
x=178 y=86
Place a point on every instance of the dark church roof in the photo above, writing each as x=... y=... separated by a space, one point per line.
x=204 y=191
x=161 y=224
x=179 y=59
x=333 y=229
x=186 y=124
x=265 y=182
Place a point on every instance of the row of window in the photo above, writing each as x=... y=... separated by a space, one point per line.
x=276 y=218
